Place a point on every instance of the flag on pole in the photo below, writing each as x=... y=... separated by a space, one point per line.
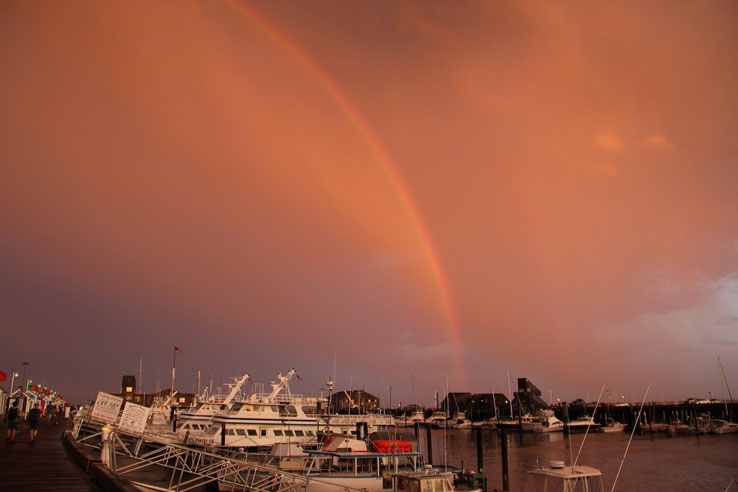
x=3 y=376
x=298 y=377
x=177 y=350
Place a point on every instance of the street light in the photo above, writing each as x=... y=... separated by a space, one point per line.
x=25 y=384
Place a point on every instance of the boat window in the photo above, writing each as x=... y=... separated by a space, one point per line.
x=277 y=432
x=241 y=432
x=252 y=432
x=213 y=431
x=289 y=433
x=299 y=433
x=236 y=407
x=263 y=432
x=309 y=433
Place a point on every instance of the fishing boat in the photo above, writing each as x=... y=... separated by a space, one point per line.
x=557 y=476
x=358 y=464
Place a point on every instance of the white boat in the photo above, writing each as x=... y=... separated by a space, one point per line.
x=418 y=416
x=437 y=419
x=564 y=478
x=197 y=420
x=347 y=423
x=460 y=421
x=348 y=462
x=613 y=426
x=582 y=424
x=549 y=422
x=718 y=426
x=262 y=420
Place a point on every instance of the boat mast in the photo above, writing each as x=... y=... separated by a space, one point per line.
x=509 y=390
x=638 y=419
x=724 y=382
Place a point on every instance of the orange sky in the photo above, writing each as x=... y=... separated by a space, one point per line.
x=182 y=176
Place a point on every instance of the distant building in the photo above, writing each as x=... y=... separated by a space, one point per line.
x=356 y=401
x=457 y=402
x=478 y=406
x=527 y=398
x=129 y=393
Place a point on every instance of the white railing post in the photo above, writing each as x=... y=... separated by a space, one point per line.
x=105 y=453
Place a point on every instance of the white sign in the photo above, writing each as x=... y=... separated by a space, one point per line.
x=106 y=408
x=134 y=418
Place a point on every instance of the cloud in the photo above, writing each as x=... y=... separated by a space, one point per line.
x=659 y=142
x=607 y=169
x=708 y=325
x=608 y=142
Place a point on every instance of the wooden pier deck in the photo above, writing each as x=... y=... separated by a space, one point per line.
x=44 y=466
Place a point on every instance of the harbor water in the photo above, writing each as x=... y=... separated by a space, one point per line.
x=655 y=462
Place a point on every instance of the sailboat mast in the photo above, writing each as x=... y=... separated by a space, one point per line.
x=509 y=390
x=724 y=382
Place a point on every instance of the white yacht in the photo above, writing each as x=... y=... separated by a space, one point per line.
x=549 y=422
x=197 y=419
x=418 y=416
x=718 y=426
x=437 y=419
x=262 y=420
x=582 y=424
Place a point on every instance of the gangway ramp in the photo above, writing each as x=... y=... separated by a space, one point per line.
x=174 y=467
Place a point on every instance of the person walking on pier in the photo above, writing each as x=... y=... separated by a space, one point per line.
x=13 y=414
x=33 y=417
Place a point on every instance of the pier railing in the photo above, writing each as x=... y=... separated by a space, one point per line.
x=179 y=468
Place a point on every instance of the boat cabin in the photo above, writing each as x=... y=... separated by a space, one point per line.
x=564 y=478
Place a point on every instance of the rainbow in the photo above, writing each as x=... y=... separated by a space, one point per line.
x=380 y=156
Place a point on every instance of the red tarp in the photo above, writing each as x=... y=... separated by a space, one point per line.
x=392 y=446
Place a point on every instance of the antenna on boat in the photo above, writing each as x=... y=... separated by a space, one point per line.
x=635 y=424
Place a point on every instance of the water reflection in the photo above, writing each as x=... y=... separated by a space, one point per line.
x=655 y=461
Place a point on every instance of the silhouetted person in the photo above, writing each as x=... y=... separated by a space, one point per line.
x=13 y=415
x=33 y=417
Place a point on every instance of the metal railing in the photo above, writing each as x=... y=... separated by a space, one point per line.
x=188 y=468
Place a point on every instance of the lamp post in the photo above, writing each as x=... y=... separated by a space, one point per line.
x=12 y=380
x=24 y=389
x=25 y=364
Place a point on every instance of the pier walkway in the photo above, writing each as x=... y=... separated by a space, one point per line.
x=44 y=466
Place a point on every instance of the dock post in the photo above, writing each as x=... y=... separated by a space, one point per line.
x=222 y=433
x=417 y=430
x=480 y=452
x=430 y=443
x=505 y=474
